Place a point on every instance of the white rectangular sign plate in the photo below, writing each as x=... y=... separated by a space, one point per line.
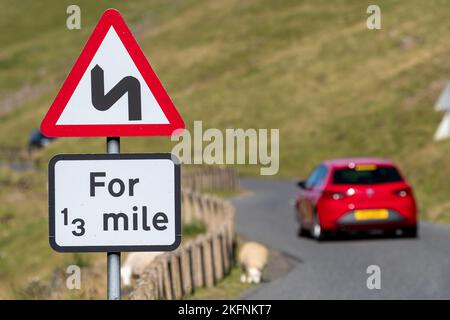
x=114 y=202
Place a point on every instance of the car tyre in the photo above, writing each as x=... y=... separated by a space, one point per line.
x=410 y=232
x=302 y=232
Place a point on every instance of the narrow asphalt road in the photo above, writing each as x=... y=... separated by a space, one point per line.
x=410 y=268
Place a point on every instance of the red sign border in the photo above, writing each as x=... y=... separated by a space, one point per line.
x=111 y=17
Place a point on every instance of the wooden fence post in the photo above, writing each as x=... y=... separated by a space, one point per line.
x=197 y=263
x=208 y=262
x=186 y=269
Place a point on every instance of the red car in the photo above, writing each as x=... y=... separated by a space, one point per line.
x=360 y=194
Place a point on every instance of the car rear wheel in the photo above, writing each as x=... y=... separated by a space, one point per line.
x=410 y=232
x=302 y=232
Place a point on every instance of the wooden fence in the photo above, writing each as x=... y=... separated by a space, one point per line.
x=201 y=261
x=210 y=178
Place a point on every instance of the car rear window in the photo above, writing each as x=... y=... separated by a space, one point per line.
x=367 y=174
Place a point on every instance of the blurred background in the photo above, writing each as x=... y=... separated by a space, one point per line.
x=313 y=69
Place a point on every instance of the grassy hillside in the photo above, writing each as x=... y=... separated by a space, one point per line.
x=310 y=68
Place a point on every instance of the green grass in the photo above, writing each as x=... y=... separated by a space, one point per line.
x=193 y=229
x=333 y=87
x=226 y=193
x=228 y=288
x=310 y=68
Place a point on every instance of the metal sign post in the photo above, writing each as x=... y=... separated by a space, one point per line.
x=113 y=275
x=113 y=146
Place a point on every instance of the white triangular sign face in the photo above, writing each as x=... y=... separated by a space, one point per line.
x=113 y=58
x=111 y=90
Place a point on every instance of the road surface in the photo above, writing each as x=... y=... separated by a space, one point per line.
x=410 y=268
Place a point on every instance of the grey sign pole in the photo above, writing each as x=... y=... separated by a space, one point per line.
x=113 y=146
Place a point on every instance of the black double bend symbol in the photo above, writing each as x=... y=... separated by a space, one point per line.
x=103 y=102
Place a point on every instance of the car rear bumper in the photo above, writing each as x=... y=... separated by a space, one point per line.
x=393 y=221
x=335 y=215
x=349 y=219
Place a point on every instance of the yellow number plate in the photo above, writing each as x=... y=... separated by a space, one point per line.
x=371 y=214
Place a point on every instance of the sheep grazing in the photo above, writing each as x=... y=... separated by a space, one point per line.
x=134 y=265
x=253 y=258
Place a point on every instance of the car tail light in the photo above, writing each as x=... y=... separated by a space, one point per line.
x=403 y=192
x=335 y=195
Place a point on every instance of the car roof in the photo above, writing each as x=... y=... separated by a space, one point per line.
x=346 y=161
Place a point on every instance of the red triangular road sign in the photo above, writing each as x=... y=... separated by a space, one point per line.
x=111 y=90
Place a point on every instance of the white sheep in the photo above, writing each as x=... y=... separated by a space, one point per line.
x=253 y=258
x=134 y=265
